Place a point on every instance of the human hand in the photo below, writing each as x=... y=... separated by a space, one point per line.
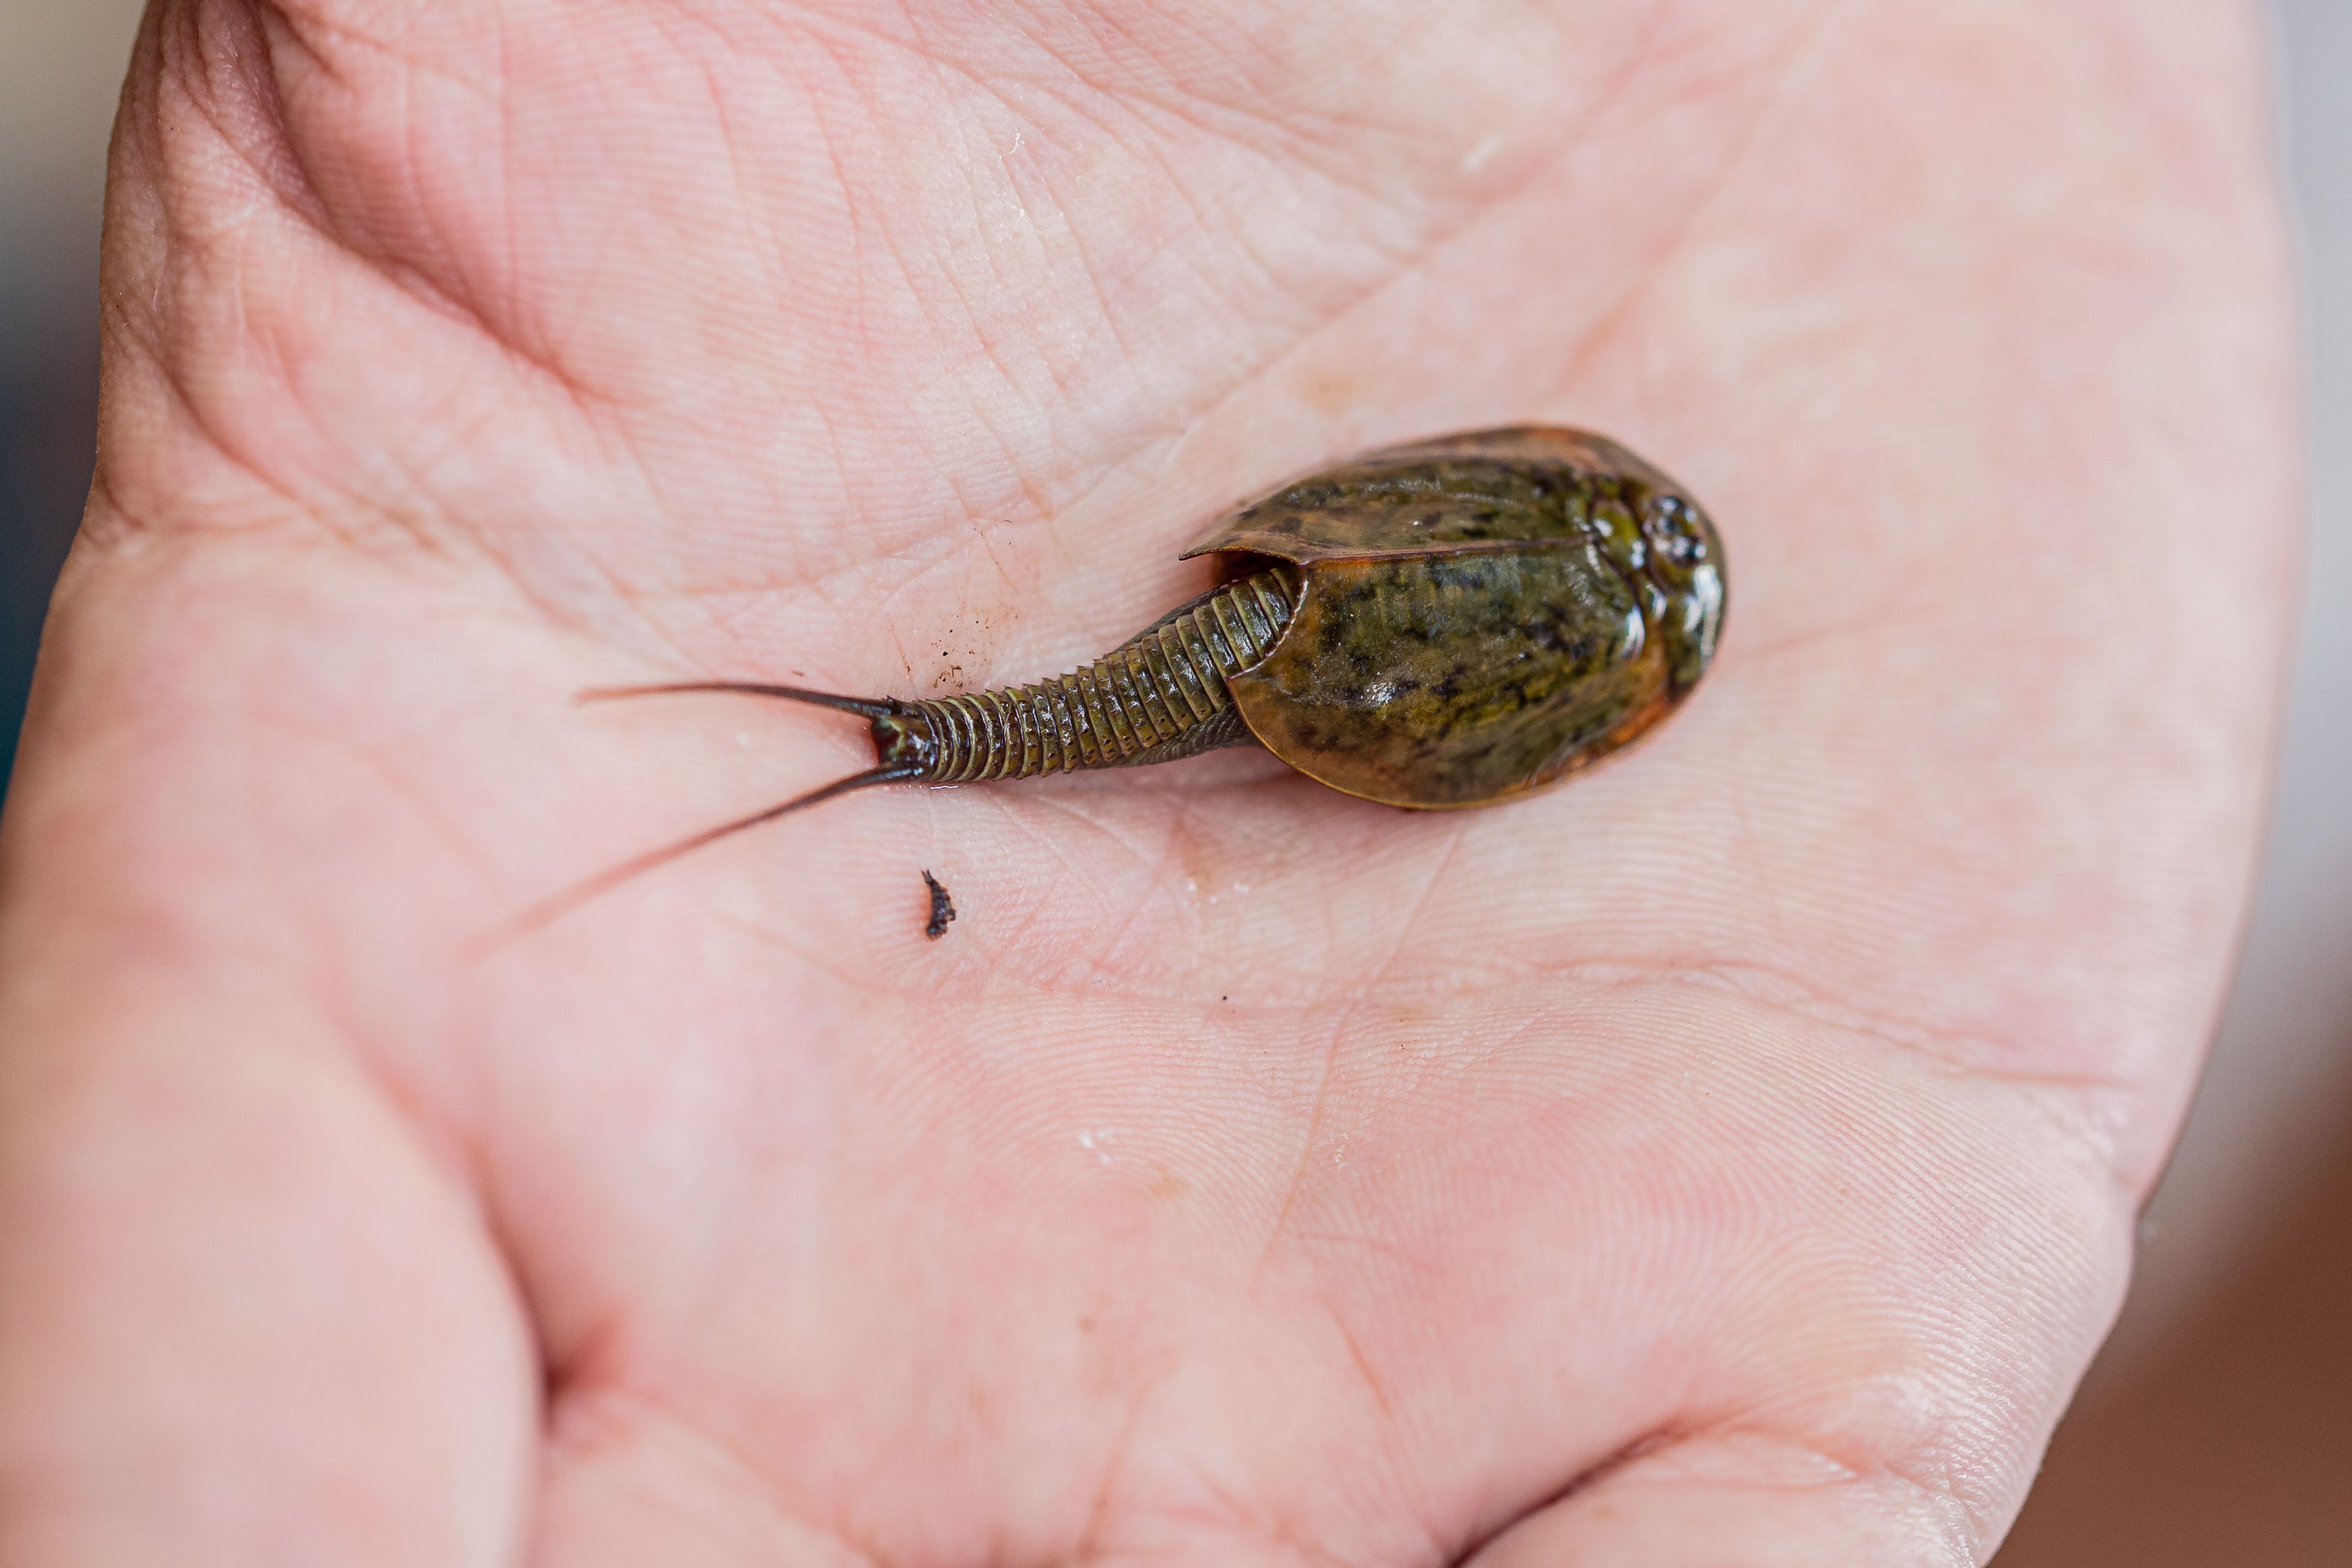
x=1728 y=1158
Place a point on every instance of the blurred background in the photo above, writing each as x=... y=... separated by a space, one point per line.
x=2215 y=1429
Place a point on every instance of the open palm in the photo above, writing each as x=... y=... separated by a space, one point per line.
x=1728 y=1159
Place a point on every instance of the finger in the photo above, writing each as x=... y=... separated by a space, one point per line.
x=245 y=1319
x=1753 y=1503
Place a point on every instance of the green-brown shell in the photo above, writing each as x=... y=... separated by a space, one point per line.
x=1481 y=615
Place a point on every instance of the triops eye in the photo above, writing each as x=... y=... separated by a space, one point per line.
x=1669 y=522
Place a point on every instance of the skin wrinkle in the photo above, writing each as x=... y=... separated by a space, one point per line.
x=1607 y=323
x=219 y=48
x=585 y=398
x=421 y=291
x=115 y=540
x=2072 y=1125
x=1965 y=1054
x=1303 y=1168
x=1740 y=975
x=1088 y=1547
x=643 y=1407
x=415 y=529
x=1182 y=423
x=408 y=523
x=1337 y=1035
x=316 y=20
x=1957 y=1051
x=1449 y=851
x=970 y=320
x=418 y=802
x=1357 y=1357
x=445 y=1144
x=1931 y=1482
x=1161 y=886
x=859 y=223
x=949 y=71
x=1038 y=493
x=582 y=398
x=1251 y=137
x=1295 y=1191
x=131 y=332
x=2064 y=1099
x=730 y=140
x=849 y=980
x=1961 y=1523
x=1098 y=971
x=510 y=213
x=303 y=199
x=442 y=1147
x=1076 y=487
x=981 y=407
x=1969 y=1527
x=1266 y=1525
x=1960 y=1536
x=860 y=272
x=1475 y=1541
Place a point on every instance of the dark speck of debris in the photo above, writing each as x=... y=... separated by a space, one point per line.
x=942 y=911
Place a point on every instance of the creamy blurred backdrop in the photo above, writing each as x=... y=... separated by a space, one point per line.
x=2217 y=1428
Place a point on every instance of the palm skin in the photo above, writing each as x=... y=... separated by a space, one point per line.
x=1730 y=1158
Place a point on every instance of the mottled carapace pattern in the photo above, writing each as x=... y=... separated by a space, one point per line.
x=1457 y=680
x=1480 y=616
x=1492 y=489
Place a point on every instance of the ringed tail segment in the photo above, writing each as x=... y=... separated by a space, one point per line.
x=1164 y=694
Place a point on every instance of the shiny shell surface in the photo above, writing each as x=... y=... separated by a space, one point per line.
x=1480 y=615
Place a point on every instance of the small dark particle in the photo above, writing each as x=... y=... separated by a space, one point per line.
x=942 y=910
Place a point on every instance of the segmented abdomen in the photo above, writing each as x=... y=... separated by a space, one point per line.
x=1144 y=702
